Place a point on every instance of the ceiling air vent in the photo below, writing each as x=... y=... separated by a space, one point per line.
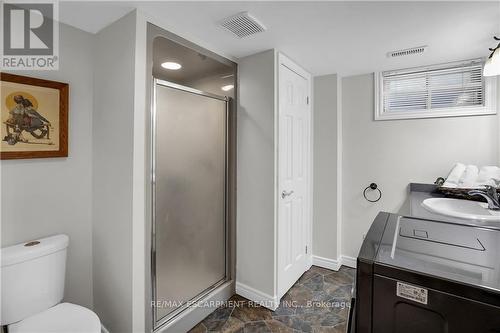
x=242 y=25
x=407 y=52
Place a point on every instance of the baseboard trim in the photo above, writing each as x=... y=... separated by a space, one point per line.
x=326 y=263
x=263 y=299
x=104 y=329
x=334 y=264
x=348 y=261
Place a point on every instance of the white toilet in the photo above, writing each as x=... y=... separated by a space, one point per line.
x=33 y=287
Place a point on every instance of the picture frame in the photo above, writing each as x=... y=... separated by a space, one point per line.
x=34 y=117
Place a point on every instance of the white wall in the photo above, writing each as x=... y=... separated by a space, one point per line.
x=255 y=173
x=112 y=182
x=498 y=120
x=42 y=197
x=325 y=168
x=395 y=153
x=140 y=177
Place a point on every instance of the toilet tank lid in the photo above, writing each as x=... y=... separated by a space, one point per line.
x=30 y=250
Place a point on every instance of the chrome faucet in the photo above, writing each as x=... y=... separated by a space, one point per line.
x=491 y=196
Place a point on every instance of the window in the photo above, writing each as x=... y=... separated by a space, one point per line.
x=448 y=90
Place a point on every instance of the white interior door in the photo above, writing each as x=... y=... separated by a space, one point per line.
x=293 y=175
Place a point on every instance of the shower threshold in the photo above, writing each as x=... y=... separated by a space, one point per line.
x=195 y=309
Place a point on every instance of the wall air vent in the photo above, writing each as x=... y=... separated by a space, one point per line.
x=242 y=25
x=407 y=52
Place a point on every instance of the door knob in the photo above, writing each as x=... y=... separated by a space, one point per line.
x=285 y=194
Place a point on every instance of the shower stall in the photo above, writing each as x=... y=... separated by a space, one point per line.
x=191 y=195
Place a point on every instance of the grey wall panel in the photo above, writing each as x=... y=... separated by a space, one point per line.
x=325 y=167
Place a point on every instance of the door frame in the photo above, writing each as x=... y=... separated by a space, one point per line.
x=193 y=315
x=283 y=60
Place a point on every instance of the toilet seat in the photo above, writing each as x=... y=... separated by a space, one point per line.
x=61 y=318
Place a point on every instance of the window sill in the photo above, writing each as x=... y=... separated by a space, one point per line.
x=436 y=113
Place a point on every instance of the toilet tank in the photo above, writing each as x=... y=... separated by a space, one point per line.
x=32 y=277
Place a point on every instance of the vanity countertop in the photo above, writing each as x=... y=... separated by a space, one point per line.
x=420 y=192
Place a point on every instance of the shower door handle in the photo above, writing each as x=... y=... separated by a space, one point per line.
x=285 y=194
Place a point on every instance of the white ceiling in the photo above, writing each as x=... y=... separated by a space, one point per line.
x=324 y=37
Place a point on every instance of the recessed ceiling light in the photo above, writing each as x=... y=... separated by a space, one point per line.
x=228 y=87
x=171 y=65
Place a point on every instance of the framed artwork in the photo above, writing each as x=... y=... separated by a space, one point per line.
x=34 y=115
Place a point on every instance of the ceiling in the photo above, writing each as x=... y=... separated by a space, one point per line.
x=324 y=37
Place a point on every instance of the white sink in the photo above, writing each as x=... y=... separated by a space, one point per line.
x=464 y=209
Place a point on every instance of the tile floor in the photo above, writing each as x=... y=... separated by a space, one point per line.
x=317 y=303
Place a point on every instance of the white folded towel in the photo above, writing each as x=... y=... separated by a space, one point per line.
x=455 y=175
x=469 y=177
x=487 y=175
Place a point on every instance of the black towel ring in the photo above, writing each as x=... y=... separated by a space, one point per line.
x=373 y=187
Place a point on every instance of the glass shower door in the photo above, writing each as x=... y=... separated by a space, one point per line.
x=189 y=197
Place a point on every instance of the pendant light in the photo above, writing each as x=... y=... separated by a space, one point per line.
x=492 y=65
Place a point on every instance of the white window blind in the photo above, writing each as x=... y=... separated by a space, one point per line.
x=442 y=90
